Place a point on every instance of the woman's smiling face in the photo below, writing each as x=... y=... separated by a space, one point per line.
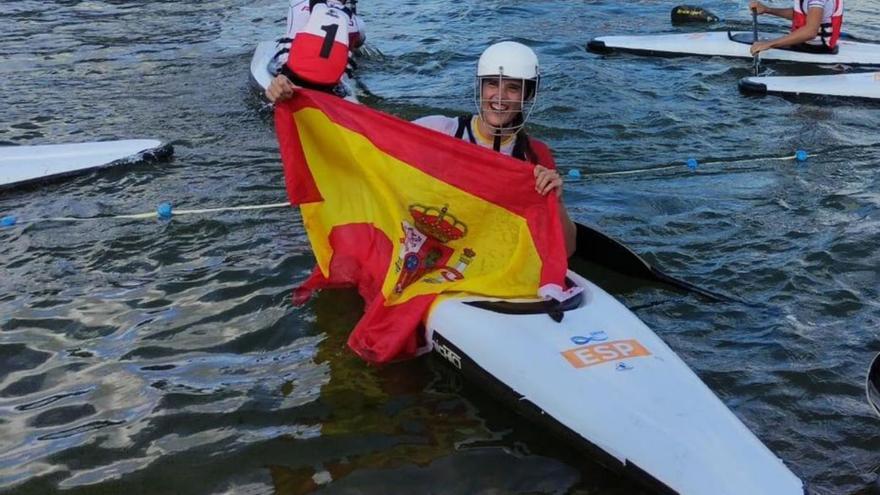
x=501 y=100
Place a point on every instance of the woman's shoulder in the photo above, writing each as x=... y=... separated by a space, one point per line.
x=542 y=153
x=441 y=123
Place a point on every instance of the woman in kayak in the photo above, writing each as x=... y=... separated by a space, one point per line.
x=506 y=89
x=815 y=26
x=505 y=92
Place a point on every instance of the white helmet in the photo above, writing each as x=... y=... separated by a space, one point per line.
x=510 y=60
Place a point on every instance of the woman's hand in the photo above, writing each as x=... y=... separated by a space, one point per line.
x=760 y=46
x=758 y=7
x=280 y=89
x=547 y=180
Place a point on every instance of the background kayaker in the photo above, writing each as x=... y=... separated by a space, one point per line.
x=506 y=89
x=815 y=26
x=298 y=15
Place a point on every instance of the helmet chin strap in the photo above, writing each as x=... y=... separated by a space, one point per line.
x=511 y=128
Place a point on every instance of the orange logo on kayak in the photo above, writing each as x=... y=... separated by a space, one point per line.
x=591 y=355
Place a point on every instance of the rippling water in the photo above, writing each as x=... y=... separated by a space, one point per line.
x=165 y=357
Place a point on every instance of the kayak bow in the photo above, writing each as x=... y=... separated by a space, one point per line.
x=595 y=375
x=22 y=165
x=858 y=85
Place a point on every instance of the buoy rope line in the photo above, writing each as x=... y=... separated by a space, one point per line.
x=163 y=211
x=691 y=163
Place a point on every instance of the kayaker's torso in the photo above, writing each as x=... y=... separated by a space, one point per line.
x=467 y=128
x=298 y=16
x=832 y=20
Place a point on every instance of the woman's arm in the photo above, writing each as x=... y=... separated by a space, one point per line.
x=546 y=180
x=763 y=9
x=569 y=231
x=806 y=33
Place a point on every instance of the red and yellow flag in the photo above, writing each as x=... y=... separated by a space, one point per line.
x=405 y=213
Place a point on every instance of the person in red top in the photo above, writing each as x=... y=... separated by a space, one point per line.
x=506 y=88
x=298 y=15
x=815 y=26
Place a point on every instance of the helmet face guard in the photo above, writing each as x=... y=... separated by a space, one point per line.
x=501 y=64
x=519 y=108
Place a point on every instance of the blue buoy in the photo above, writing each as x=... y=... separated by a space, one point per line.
x=164 y=210
x=692 y=163
x=8 y=221
x=801 y=155
x=574 y=173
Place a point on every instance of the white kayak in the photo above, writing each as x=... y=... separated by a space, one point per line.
x=20 y=165
x=602 y=378
x=855 y=85
x=724 y=44
x=262 y=70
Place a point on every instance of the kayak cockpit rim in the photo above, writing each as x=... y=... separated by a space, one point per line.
x=555 y=309
x=749 y=39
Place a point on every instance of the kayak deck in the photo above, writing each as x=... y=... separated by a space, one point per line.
x=857 y=85
x=719 y=44
x=21 y=165
x=609 y=382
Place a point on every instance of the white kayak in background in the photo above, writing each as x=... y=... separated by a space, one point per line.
x=855 y=85
x=20 y=165
x=724 y=44
x=601 y=378
x=262 y=70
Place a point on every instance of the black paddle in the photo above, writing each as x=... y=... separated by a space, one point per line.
x=757 y=56
x=872 y=385
x=597 y=247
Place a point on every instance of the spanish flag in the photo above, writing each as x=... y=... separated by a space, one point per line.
x=405 y=214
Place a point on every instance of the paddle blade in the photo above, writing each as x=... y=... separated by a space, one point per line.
x=686 y=14
x=597 y=247
x=873 y=384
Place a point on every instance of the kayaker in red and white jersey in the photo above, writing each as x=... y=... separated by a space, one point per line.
x=506 y=88
x=815 y=26
x=298 y=15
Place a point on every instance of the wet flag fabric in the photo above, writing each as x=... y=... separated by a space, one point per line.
x=405 y=214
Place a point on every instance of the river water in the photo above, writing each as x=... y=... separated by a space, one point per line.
x=146 y=356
